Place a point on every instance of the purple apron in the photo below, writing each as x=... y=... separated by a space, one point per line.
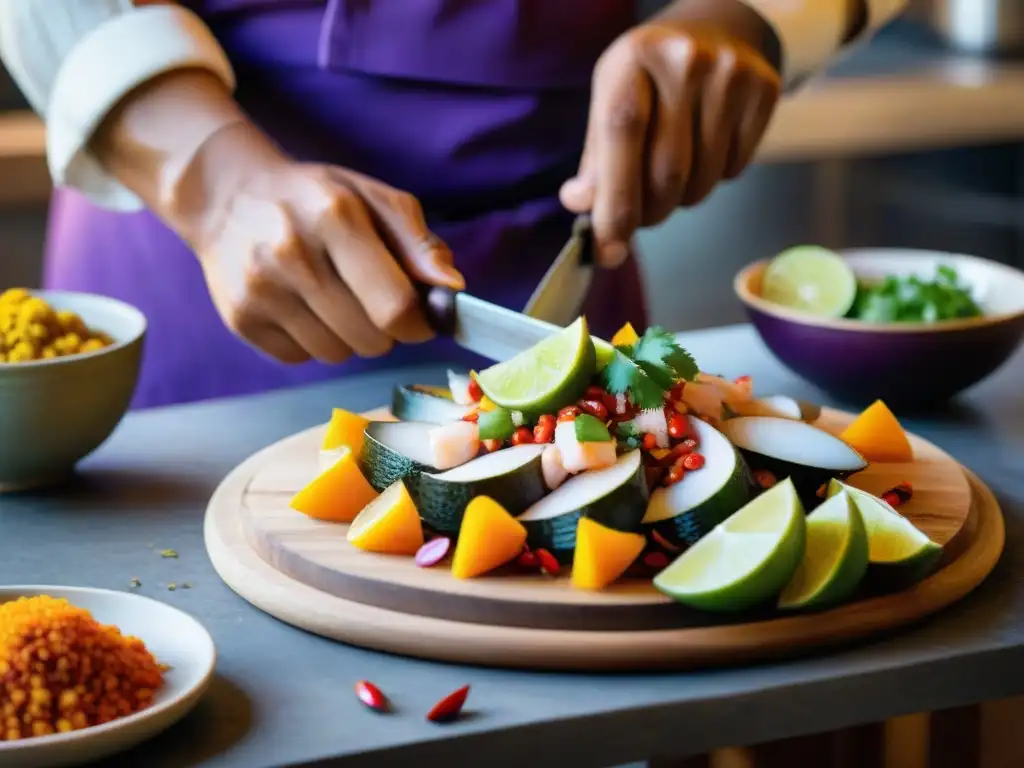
x=476 y=108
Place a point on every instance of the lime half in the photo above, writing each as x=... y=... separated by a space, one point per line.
x=810 y=279
x=835 y=557
x=897 y=551
x=605 y=353
x=744 y=561
x=546 y=376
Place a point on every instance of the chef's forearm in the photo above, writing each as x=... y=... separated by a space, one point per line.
x=91 y=67
x=800 y=37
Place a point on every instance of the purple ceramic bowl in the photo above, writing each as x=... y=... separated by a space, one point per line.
x=907 y=365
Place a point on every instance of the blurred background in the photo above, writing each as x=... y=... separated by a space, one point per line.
x=916 y=140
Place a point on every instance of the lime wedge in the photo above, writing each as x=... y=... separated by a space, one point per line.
x=835 y=557
x=897 y=551
x=546 y=376
x=604 y=351
x=810 y=279
x=746 y=559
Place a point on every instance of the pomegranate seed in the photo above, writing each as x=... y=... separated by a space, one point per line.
x=656 y=560
x=475 y=393
x=548 y=562
x=433 y=551
x=472 y=417
x=661 y=541
x=892 y=499
x=903 y=493
x=448 y=708
x=569 y=413
x=693 y=461
x=544 y=432
x=764 y=478
x=676 y=393
x=649 y=442
x=678 y=426
x=527 y=559
x=522 y=436
x=675 y=474
x=490 y=446
x=595 y=408
x=371 y=696
x=595 y=392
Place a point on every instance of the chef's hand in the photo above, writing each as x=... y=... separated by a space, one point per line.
x=314 y=261
x=677 y=107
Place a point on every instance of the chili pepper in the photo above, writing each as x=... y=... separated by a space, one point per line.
x=433 y=551
x=372 y=696
x=684 y=448
x=661 y=541
x=522 y=436
x=678 y=426
x=492 y=445
x=569 y=413
x=548 y=563
x=473 y=416
x=902 y=493
x=448 y=708
x=595 y=408
x=675 y=473
x=544 y=432
x=656 y=560
x=649 y=442
x=693 y=461
x=473 y=390
x=764 y=478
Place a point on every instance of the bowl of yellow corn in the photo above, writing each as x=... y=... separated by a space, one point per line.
x=69 y=363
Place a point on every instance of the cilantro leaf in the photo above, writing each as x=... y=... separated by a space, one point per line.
x=683 y=364
x=625 y=430
x=659 y=349
x=620 y=374
x=646 y=393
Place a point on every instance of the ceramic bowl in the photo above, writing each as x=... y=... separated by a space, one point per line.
x=911 y=365
x=54 y=413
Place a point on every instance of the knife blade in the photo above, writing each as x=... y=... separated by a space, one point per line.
x=498 y=333
x=487 y=329
x=560 y=296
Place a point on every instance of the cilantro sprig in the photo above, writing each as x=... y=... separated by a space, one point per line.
x=911 y=299
x=646 y=370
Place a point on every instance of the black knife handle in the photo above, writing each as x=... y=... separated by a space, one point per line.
x=439 y=308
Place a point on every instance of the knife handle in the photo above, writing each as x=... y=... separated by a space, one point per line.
x=439 y=308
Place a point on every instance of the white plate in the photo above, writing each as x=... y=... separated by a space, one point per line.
x=173 y=637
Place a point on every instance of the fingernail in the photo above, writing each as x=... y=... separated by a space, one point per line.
x=613 y=254
x=575 y=193
x=455 y=279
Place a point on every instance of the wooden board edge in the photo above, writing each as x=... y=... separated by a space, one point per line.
x=423 y=637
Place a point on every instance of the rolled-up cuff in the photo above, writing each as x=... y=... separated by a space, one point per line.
x=104 y=67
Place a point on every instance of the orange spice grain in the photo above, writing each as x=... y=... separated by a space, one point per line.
x=61 y=670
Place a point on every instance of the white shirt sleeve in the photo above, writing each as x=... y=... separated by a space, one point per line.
x=811 y=31
x=77 y=59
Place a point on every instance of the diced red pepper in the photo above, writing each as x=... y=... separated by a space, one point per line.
x=473 y=390
x=569 y=413
x=595 y=408
x=693 y=461
x=544 y=432
x=678 y=426
x=522 y=436
x=649 y=442
x=473 y=416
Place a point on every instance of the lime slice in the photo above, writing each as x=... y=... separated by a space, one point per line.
x=810 y=279
x=546 y=376
x=835 y=557
x=745 y=560
x=897 y=551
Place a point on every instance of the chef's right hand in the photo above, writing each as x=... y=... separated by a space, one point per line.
x=316 y=261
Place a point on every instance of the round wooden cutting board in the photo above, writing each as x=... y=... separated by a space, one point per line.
x=305 y=573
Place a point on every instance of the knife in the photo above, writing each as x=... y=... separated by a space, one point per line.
x=498 y=333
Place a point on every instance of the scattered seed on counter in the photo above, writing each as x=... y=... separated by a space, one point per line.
x=169 y=553
x=186 y=585
x=135 y=583
x=171 y=586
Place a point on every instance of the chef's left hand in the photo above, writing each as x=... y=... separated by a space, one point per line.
x=676 y=107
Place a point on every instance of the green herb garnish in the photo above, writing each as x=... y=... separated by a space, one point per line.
x=913 y=300
x=646 y=370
